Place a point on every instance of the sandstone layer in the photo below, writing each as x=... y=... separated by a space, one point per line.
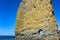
x=34 y=16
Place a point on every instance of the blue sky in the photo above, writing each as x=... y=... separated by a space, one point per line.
x=8 y=10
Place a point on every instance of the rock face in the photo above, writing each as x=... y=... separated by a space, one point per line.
x=34 y=16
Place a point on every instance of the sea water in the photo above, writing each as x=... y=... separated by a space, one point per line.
x=6 y=37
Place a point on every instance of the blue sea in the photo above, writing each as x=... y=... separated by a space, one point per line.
x=6 y=37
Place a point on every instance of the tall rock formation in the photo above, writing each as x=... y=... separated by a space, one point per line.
x=33 y=17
